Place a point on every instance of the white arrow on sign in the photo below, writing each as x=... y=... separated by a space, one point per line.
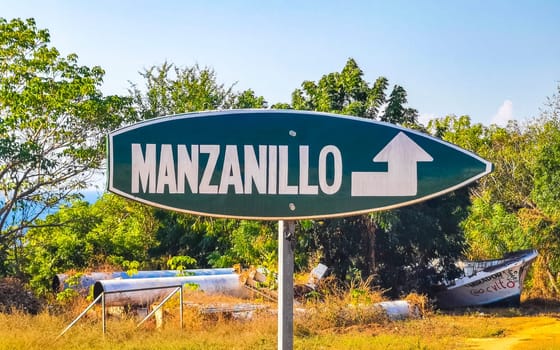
x=401 y=155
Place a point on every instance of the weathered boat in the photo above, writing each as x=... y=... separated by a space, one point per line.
x=496 y=282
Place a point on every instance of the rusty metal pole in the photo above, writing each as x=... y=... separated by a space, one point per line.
x=286 y=245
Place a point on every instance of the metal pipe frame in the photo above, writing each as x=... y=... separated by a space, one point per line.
x=101 y=297
x=82 y=314
x=178 y=289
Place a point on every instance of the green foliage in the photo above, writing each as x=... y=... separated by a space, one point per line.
x=396 y=113
x=546 y=191
x=516 y=206
x=492 y=231
x=346 y=245
x=406 y=249
x=250 y=243
x=492 y=227
x=417 y=246
x=171 y=90
x=67 y=296
x=376 y=98
x=461 y=132
x=344 y=93
x=111 y=231
x=207 y=240
x=509 y=149
x=360 y=296
x=281 y=106
x=70 y=294
x=181 y=234
x=248 y=99
x=53 y=119
x=131 y=267
x=181 y=262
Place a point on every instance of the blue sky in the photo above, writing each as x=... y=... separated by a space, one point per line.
x=492 y=60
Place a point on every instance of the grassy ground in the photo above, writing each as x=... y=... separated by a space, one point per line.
x=490 y=329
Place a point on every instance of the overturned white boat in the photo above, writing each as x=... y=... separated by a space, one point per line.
x=496 y=282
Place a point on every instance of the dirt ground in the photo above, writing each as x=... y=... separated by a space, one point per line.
x=528 y=333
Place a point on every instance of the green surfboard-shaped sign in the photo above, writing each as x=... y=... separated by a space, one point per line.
x=279 y=164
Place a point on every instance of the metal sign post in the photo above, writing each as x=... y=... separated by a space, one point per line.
x=286 y=245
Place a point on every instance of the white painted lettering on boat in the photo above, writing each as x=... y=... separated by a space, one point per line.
x=502 y=280
x=511 y=275
x=263 y=169
x=495 y=287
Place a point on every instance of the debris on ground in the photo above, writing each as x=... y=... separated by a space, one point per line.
x=14 y=296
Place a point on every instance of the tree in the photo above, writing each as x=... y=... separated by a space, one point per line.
x=395 y=112
x=542 y=221
x=251 y=243
x=53 y=119
x=516 y=206
x=113 y=231
x=172 y=90
x=417 y=246
x=181 y=234
x=346 y=245
x=248 y=99
x=344 y=93
x=405 y=249
x=492 y=228
x=211 y=242
x=546 y=191
x=376 y=98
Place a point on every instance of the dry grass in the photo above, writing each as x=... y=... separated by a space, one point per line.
x=339 y=308
x=435 y=331
x=340 y=321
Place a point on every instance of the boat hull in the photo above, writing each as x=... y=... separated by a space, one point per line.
x=497 y=285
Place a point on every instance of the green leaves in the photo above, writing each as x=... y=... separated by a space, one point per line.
x=53 y=119
x=171 y=90
x=492 y=230
x=546 y=191
x=112 y=231
x=517 y=205
x=348 y=93
x=181 y=262
x=345 y=92
x=396 y=113
x=398 y=247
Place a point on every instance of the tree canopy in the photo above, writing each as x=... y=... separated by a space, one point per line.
x=516 y=206
x=53 y=118
x=169 y=90
x=405 y=249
